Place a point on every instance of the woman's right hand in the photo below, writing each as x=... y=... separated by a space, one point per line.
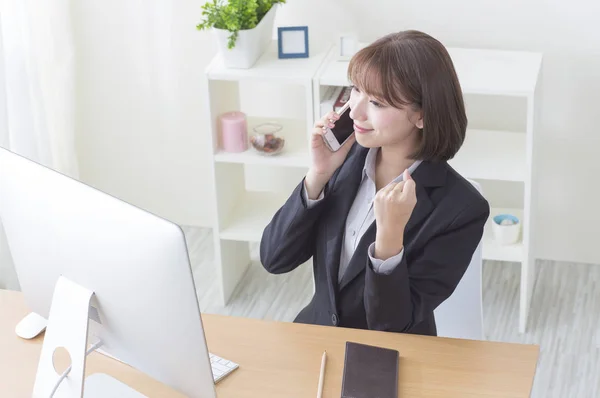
x=324 y=162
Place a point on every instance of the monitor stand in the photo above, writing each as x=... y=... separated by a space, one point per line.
x=67 y=327
x=101 y=385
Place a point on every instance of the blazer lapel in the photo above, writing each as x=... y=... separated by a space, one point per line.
x=426 y=176
x=344 y=190
x=360 y=256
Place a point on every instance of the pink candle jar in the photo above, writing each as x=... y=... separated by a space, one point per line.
x=234 y=131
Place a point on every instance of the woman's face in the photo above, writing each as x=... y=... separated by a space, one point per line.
x=378 y=124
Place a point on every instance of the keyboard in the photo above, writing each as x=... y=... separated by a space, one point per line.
x=221 y=367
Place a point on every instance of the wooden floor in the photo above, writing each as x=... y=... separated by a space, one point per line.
x=564 y=317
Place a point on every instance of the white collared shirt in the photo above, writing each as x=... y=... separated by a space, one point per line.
x=362 y=215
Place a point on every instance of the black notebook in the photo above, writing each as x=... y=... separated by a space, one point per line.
x=370 y=372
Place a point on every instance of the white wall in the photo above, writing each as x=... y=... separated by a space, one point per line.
x=141 y=132
x=140 y=104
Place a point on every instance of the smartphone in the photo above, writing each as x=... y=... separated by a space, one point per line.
x=344 y=128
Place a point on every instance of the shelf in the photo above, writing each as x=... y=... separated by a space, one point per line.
x=246 y=182
x=295 y=150
x=494 y=251
x=491 y=72
x=334 y=72
x=255 y=210
x=291 y=158
x=485 y=154
x=496 y=72
x=270 y=68
x=250 y=216
x=492 y=155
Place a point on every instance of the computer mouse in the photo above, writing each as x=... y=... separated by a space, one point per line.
x=31 y=326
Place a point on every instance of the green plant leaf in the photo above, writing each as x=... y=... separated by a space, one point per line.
x=234 y=15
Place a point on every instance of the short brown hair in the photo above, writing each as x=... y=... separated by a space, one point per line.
x=413 y=69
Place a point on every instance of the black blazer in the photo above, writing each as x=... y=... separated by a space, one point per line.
x=443 y=232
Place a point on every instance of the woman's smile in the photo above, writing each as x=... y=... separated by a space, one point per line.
x=361 y=130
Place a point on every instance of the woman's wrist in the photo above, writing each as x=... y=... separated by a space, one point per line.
x=387 y=247
x=315 y=183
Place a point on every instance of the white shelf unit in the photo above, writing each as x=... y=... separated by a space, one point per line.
x=242 y=212
x=487 y=155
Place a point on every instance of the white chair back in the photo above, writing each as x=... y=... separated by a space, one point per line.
x=461 y=315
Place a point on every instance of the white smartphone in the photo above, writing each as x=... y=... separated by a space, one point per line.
x=344 y=128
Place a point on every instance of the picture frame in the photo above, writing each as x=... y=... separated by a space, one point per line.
x=348 y=45
x=292 y=41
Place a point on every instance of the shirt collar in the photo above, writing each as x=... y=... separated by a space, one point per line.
x=370 y=162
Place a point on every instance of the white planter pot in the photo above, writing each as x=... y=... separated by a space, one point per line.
x=250 y=43
x=506 y=229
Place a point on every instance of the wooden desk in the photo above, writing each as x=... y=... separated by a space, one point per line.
x=283 y=360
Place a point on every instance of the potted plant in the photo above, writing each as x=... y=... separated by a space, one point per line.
x=243 y=28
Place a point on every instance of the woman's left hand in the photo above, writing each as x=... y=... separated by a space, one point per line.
x=393 y=206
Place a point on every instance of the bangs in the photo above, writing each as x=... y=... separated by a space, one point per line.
x=375 y=71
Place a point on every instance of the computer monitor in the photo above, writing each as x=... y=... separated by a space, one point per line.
x=145 y=311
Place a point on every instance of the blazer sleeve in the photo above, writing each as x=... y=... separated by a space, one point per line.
x=289 y=239
x=411 y=291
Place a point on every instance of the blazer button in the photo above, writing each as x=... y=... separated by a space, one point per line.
x=334 y=319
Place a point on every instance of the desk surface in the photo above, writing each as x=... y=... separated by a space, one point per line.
x=283 y=359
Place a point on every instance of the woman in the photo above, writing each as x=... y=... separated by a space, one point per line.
x=391 y=227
